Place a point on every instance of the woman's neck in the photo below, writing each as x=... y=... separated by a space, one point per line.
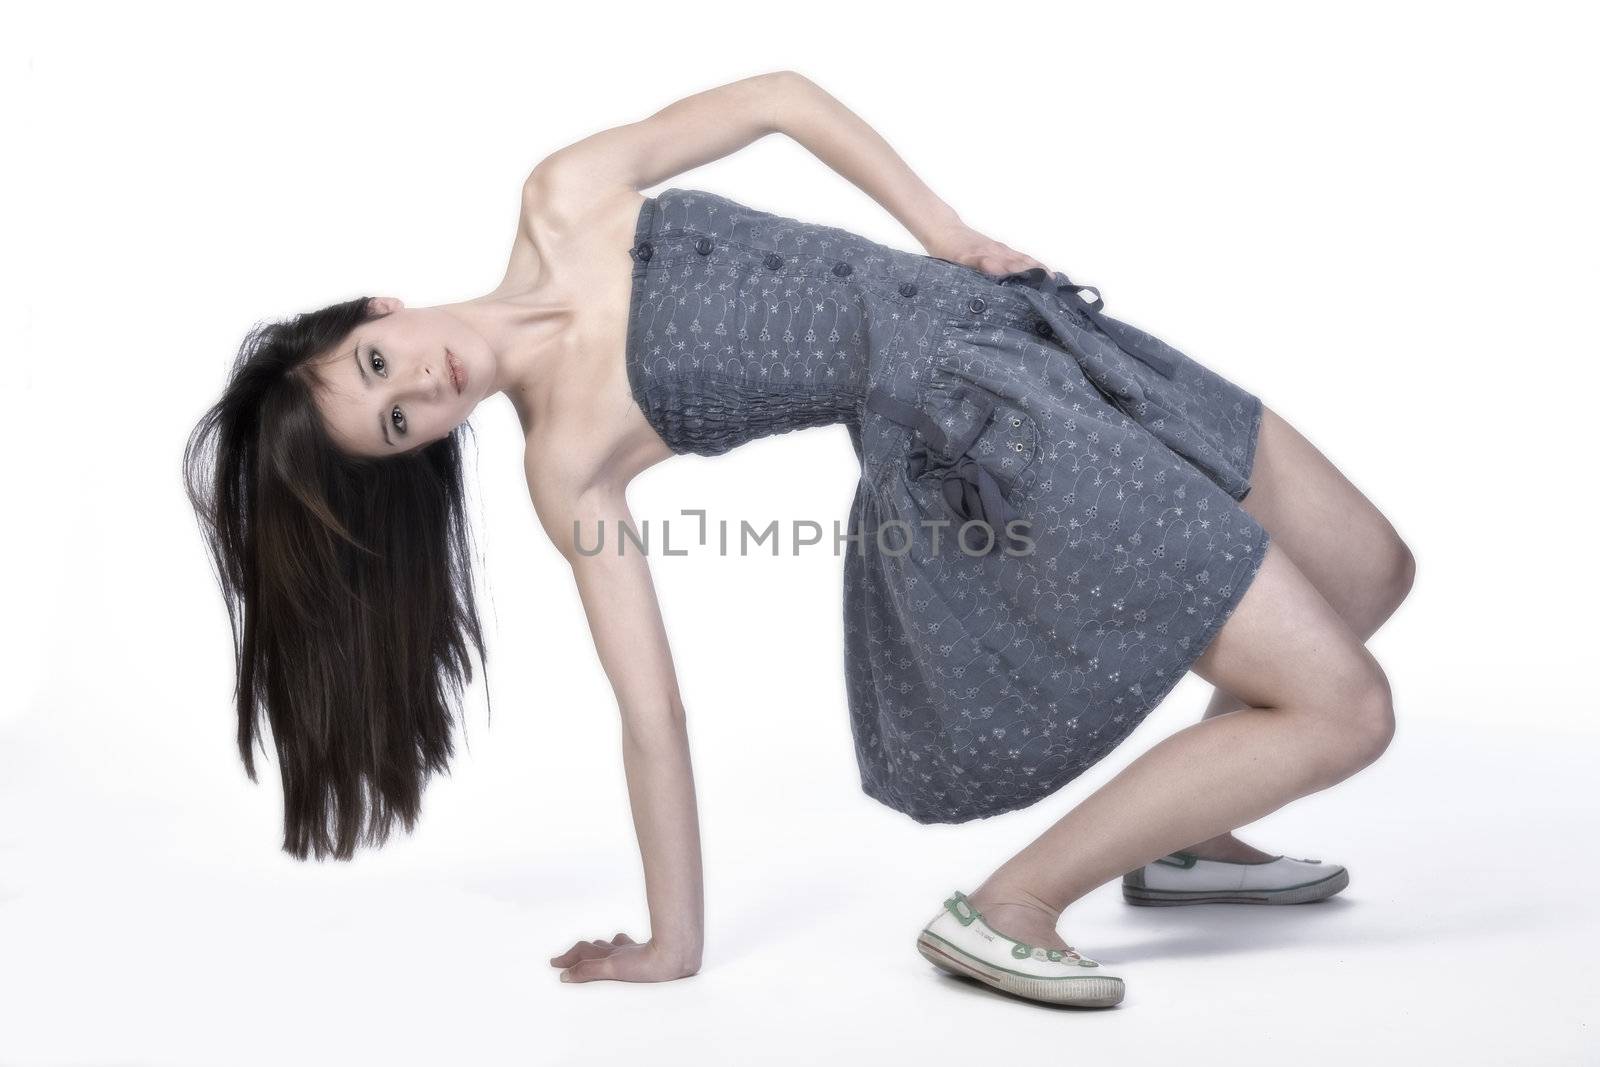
x=529 y=333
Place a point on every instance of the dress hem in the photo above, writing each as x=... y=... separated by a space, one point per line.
x=1137 y=717
x=1254 y=439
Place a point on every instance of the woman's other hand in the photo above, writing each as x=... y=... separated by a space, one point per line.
x=964 y=245
x=622 y=959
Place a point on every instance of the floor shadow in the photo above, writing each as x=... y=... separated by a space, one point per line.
x=962 y=985
x=1222 y=929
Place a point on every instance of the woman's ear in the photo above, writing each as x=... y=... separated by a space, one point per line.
x=386 y=305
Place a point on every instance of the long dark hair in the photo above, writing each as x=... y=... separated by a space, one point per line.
x=348 y=583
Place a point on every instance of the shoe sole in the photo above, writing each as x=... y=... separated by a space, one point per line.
x=1295 y=894
x=1072 y=992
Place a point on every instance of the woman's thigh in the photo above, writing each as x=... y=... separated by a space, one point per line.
x=1285 y=646
x=1336 y=537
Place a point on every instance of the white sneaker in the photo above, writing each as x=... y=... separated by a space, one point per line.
x=959 y=941
x=1183 y=878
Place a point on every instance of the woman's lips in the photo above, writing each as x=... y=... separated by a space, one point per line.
x=458 y=373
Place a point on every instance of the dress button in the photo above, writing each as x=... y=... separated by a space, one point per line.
x=842 y=269
x=976 y=305
x=644 y=251
x=774 y=261
x=907 y=289
x=703 y=246
x=1042 y=328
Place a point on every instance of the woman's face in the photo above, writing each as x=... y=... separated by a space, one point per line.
x=402 y=381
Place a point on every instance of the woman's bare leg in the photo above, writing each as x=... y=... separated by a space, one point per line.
x=1318 y=710
x=1337 y=538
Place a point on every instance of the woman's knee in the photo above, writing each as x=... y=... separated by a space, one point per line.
x=1401 y=571
x=1373 y=717
x=1383 y=573
x=1359 y=719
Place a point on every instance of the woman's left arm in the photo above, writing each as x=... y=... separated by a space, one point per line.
x=811 y=117
x=718 y=122
x=814 y=119
x=836 y=135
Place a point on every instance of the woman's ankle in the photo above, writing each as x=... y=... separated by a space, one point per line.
x=997 y=891
x=1025 y=920
x=1228 y=849
x=1017 y=902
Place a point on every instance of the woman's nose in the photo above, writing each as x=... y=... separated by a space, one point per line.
x=427 y=383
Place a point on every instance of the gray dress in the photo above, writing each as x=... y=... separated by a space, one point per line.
x=1046 y=531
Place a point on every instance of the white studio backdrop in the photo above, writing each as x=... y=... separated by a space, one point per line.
x=1378 y=217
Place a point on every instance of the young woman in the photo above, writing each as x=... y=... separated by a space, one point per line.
x=1058 y=516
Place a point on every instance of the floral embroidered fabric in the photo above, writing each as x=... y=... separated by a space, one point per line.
x=983 y=672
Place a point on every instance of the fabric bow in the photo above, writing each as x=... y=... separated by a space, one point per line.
x=1057 y=300
x=970 y=490
x=972 y=494
x=1064 y=291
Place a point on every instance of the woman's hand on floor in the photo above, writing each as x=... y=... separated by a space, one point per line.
x=622 y=959
x=966 y=246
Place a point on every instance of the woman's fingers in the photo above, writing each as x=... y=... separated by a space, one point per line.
x=967 y=247
x=588 y=950
x=589 y=970
x=1018 y=261
x=629 y=961
x=583 y=950
x=580 y=950
x=1007 y=260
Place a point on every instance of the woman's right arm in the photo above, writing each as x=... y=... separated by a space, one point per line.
x=625 y=620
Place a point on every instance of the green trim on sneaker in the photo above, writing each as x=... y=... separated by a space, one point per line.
x=1274 y=889
x=966 y=914
x=960 y=942
x=962 y=909
x=1184 y=878
x=1008 y=970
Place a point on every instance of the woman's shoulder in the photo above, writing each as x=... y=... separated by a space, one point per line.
x=567 y=204
x=574 y=478
x=581 y=449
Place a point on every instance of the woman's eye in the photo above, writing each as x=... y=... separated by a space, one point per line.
x=398 y=417
x=377 y=361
